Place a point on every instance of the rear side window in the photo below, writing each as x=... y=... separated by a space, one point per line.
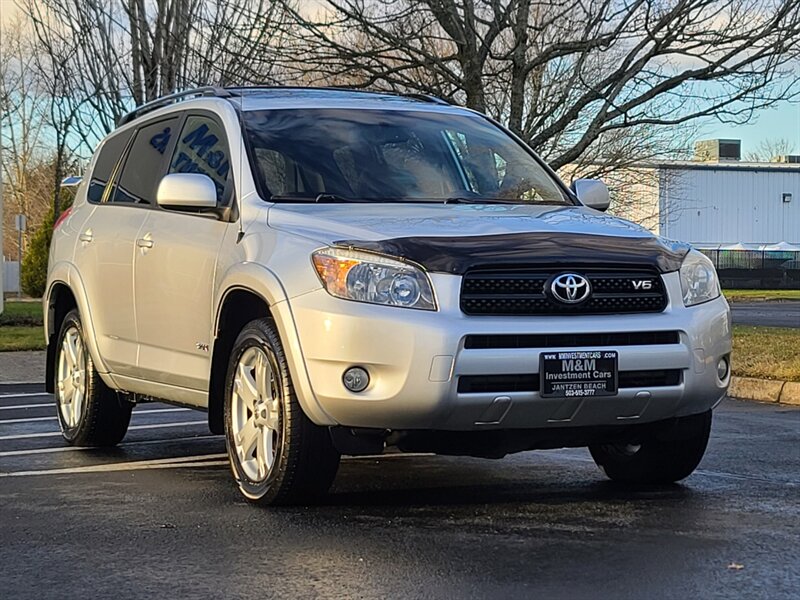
x=203 y=148
x=108 y=158
x=145 y=163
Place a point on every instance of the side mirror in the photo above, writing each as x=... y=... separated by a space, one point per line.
x=186 y=190
x=592 y=193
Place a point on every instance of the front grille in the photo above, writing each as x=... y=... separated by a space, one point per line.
x=526 y=382
x=526 y=292
x=571 y=340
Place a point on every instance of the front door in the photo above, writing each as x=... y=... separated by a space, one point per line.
x=175 y=268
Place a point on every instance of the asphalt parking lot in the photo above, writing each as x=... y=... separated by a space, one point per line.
x=159 y=517
x=768 y=314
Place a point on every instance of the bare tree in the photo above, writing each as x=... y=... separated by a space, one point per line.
x=24 y=132
x=115 y=54
x=571 y=77
x=770 y=149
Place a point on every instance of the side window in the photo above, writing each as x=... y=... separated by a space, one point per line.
x=145 y=163
x=106 y=161
x=202 y=148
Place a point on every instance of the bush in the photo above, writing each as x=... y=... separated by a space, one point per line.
x=33 y=271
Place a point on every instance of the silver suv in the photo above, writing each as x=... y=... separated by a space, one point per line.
x=333 y=272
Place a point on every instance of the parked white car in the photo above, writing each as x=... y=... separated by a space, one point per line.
x=334 y=272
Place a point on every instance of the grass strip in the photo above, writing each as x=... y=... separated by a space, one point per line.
x=760 y=295
x=21 y=313
x=766 y=352
x=21 y=337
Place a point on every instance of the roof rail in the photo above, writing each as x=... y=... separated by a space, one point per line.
x=238 y=90
x=426 y=98
x=171 y=99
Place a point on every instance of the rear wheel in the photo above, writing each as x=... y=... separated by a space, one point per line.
x=278 y=456
x=89 y=412
x=666 y=458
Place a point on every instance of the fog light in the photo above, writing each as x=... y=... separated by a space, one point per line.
x=355 y=379
x=722 y=368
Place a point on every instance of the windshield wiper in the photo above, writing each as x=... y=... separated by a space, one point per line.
x=469 y=200
x=319 y=198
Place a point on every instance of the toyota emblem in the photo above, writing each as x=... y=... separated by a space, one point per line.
x=570 y=288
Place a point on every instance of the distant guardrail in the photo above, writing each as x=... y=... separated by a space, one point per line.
x=757 y=269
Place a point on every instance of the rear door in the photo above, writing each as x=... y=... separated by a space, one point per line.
x=107 y=241
x=176 y=266
x=104 y=258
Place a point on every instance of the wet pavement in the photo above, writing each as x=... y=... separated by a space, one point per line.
x=158 y=517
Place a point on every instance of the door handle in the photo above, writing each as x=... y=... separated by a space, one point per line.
x=86 y=237
x=145 y=242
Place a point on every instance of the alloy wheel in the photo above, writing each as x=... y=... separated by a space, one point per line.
x=256 y=413
x=71 y=378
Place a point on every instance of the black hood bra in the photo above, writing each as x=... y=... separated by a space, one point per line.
x=458 y=255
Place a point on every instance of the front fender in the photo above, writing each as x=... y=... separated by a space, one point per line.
x=263 y=282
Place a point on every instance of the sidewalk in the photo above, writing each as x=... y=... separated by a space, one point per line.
x=22 y=367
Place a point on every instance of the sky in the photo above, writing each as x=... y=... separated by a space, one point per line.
x=781 y=121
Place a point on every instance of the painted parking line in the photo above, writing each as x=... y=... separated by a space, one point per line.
x=24 y=395
x=205 y=460
x=21 y=406
x=60 y=449
x=53 y=404
x=133 y=427
x=136 y=412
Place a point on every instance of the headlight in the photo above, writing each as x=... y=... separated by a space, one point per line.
x=698 y=279
x=366 y=277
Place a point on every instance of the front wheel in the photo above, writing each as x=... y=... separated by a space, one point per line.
x=665 y=458
x=278 y=456
x=89 y=412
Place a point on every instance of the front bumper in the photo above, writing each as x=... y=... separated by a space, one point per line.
x=415 y=359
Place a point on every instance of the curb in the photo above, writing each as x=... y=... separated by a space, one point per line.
x=765 y=390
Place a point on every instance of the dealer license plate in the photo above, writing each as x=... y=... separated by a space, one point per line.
x=578 y=374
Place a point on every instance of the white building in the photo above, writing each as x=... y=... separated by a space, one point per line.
x=712 y=204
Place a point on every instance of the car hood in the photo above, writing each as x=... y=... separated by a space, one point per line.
x=454 y=238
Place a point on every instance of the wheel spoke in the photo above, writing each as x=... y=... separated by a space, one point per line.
x=248 y=438
x=72 y=348
x=80 y=364
x=65 y=354
x=262 y=454
x=260 y=373
x=246 y=385
x=76 y=406
x=273 y=418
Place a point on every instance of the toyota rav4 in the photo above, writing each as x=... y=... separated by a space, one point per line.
x=331 y=272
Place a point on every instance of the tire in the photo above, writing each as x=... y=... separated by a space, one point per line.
x=277 y=455
x=89 y=412
x=665 y=458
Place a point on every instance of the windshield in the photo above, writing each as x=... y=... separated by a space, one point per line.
x=388 y=155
